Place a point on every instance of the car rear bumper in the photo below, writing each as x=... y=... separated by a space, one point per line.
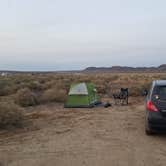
x=156 y=122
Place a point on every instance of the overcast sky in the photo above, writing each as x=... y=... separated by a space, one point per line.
x=74 y=34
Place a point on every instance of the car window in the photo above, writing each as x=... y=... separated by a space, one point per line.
x=160 y=92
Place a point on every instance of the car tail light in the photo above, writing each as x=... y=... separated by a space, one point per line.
x=151 y=107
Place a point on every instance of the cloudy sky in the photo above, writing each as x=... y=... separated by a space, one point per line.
x=74 y=34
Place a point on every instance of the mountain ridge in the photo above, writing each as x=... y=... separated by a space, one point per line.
x=123 y=69
x=113 y=69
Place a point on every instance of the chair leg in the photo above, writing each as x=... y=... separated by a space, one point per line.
x=127 y=101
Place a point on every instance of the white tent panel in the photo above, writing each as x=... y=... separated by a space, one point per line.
x=79 y=89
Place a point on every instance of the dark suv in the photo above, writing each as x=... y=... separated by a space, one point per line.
x=156 y=108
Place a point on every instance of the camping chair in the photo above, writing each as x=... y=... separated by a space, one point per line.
x=121 y=96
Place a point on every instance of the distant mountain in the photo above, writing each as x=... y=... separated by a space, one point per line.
x=113 y=69
x=125 y=69
x=162 y=67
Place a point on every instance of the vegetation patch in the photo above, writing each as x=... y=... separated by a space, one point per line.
x=54 y=95
x=10 y=115
x=25 y=97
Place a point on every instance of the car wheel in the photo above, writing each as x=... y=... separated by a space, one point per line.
x=147 y=130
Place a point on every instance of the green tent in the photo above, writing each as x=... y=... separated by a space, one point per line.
x=82 y=95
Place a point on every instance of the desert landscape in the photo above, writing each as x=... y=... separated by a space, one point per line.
x=75 y=80
x=36 y=129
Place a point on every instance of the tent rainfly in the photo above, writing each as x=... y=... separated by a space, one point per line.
x=82 y=95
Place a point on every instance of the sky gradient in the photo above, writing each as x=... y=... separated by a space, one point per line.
x=67 y=35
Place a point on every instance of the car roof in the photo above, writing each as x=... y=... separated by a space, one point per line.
x=160 y=82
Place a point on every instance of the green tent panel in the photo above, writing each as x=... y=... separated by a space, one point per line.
x=82 y=95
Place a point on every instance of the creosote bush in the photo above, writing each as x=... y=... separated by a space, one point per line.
x=6 y=87
x=35 y=85
x=10 y=115
x=54 y=95
x=25 y=97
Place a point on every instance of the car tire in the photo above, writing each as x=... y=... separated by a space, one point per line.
x=147 y=130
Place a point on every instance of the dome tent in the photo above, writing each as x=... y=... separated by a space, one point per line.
x=82 y=95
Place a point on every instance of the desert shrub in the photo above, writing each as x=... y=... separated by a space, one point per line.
x=67 y=84
x=35 y=85
x=114 y=78
x=49 y=84
x=54 y=95
x=5 y=90
x=146 y=85
x=137 y=90
x=10 y=115
x=25 y=97
x=101 y=89
x=6 y=87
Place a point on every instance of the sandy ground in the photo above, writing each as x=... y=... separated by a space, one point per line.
x=83 y=137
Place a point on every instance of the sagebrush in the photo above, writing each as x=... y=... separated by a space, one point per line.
x=10 y=115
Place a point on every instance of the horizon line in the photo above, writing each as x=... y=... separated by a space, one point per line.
x=72 y=70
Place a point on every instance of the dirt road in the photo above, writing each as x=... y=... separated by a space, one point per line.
x=93 y=137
